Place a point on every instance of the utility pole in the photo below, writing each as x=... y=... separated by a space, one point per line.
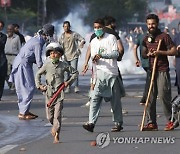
x=42 y=12
x=5 y=4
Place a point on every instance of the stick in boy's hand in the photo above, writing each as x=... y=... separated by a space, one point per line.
x=61 y=87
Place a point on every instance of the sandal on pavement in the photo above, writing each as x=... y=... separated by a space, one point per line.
x=21 y=117
x=26 y=117
x=29 y=113
x=150 y=127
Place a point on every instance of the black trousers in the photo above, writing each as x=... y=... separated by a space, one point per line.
x=3 y=74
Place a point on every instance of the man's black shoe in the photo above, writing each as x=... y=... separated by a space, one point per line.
x=143 y=101
x=117 y=128
x=89 y=127
x=176 y=124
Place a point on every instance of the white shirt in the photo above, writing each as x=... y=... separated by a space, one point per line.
x=107 y=44
x=13 y=45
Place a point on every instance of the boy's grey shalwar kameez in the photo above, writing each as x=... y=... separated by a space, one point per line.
x=54 y=74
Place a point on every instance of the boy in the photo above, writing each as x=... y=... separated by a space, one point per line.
x=54 y=74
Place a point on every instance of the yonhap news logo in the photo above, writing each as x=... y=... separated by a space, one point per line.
x=103 y=140
x=144 y=140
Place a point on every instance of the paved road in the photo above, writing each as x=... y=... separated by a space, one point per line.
x=33 y=137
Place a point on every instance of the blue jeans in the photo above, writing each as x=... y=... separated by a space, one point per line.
x=74 y=64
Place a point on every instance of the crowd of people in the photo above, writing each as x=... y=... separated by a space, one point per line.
x=105 y=50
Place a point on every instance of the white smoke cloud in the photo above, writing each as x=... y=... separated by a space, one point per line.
x=127 y=65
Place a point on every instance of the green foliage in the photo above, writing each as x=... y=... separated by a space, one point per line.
x=122 y=10
x=25 y=4
x=23 y=15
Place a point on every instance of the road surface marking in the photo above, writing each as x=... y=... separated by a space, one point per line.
x=7 y=148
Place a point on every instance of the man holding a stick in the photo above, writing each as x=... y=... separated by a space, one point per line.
x=158 y=45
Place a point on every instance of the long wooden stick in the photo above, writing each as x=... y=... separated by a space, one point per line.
x=61 y=87
x=150 y=87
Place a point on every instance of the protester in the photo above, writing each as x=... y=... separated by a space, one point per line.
x=173 y=33
x=22 y=72
x=177 y=61
x=130 y=38
x=71 y=43
x=177 y=67
x=12 y=48
x=3 y=60
x=166 y=30
x=104 y=52
x=110 y=25
x=54 y=72
x=16 y=31
x=142 y=62
x=161 y=83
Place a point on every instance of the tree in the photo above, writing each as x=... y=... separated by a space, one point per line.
x=122 y=10
x=22 y=12
x=26 y=17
